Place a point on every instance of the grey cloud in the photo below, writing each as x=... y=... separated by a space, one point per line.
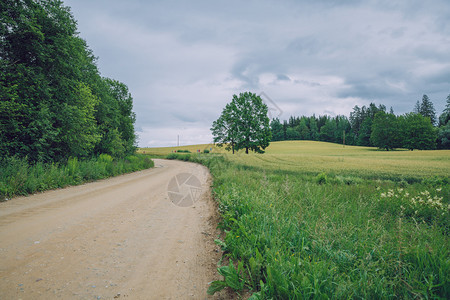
x=283 y=77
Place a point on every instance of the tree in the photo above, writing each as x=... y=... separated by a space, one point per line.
x=328 y=130
x=79 y=135
x=303 y=129
x=243 y=124
x=445 y=116
x=365 y=133
x=444 y=136
x=292 y=133
x=277 y=130
x=418 y=133
x=313 y=128
x=426 y=109
x=385 y=131
x=225 y=129
x=444 y=127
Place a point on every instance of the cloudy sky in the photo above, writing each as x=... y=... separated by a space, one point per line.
x=183 y=60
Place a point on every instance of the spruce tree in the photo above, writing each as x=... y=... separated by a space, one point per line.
x=426 y=109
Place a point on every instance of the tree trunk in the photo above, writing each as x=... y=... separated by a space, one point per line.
x=246 y=150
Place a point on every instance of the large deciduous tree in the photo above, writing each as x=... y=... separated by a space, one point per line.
x=243 y=124
x=385 y=131
x=418 y=133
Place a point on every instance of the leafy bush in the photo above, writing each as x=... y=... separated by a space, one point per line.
x=322 y=178
x=184 y=157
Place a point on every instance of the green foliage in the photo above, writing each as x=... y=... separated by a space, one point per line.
x=243 y=124
x=322 y=178
x=426 y=109
x=385 y=131
x=53 y=102
x=418 y=133
x=444 y=136
x=18 y=177
x=233 y=278
x=185 y=157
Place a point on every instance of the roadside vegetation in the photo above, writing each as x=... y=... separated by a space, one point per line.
x=317 y=220
x=18 y=177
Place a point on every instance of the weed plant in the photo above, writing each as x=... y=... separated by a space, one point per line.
x=17 y=177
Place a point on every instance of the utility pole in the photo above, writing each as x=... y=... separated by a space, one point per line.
x=178 y=140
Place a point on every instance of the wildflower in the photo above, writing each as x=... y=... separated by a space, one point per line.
x=439 y=189
x=383 y=195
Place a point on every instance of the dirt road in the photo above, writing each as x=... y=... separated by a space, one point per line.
x=116 y=238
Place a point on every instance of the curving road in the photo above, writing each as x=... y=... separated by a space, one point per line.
x=115 y=238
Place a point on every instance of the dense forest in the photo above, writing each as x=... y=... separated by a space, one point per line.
x=53 y=102
x=373 y=126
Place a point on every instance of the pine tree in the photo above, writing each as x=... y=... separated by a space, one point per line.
x=426 y=109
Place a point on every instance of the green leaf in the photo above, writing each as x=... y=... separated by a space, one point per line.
x=216 y=286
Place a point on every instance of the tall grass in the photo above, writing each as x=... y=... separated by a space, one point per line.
x=294 y=234
x=17 y=177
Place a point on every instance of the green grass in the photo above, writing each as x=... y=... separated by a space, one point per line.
x=316 y=220
x=17 y=177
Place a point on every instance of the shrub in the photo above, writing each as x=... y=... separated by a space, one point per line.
x=322 y=178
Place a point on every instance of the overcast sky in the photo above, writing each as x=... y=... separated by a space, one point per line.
x=183 y=60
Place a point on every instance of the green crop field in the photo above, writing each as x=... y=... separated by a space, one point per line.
x=319 y=220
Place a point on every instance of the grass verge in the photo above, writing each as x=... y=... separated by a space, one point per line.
x=17 y=177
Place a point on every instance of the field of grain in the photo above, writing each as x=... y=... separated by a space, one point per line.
x=317 y=157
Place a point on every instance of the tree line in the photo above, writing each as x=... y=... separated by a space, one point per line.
x=372 y=126
x=54 y=104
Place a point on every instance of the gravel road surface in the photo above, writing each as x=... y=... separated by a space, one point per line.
x=116 y=238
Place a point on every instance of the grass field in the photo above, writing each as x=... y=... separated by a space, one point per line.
x=318 y=220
